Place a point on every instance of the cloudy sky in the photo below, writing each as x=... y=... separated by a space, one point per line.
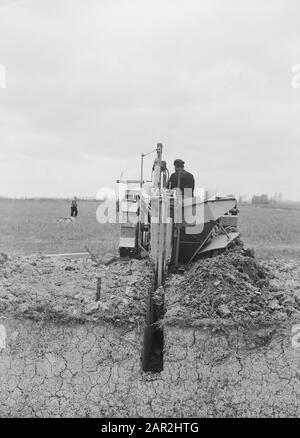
x=92 y=84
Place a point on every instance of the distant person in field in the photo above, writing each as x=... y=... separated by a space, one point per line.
x=74 y=208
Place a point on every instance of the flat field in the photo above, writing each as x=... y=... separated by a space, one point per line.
x=29 y=226
x=271 y=232
x=33 y=227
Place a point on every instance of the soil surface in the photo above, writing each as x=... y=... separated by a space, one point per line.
x=65 y=290
x=70 y=349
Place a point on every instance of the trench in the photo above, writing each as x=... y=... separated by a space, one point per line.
x=153 y=342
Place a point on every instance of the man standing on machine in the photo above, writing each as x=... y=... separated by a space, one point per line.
x=164 y=174
x=182 y=179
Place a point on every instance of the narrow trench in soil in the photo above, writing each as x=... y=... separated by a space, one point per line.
x=153 y=343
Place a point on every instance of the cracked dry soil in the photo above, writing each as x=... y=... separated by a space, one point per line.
x=67 y=355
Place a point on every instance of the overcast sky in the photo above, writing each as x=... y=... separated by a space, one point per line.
x=91 y=84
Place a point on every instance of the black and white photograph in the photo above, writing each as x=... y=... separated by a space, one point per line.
x=149 y=212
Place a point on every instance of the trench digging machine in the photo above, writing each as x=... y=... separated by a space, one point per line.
x=170 y=228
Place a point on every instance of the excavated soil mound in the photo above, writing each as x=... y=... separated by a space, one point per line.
x=232 y=288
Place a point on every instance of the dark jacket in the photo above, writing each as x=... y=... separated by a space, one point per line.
x=186 y=181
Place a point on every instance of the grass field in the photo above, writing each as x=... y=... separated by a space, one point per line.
x=271 y=232
x=28 y=227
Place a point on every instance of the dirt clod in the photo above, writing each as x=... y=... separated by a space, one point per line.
x=223 y=311
x=3 y=258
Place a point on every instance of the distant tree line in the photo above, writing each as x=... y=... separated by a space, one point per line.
x=267 y=200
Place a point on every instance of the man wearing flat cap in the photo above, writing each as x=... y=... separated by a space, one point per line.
x=182 y=179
